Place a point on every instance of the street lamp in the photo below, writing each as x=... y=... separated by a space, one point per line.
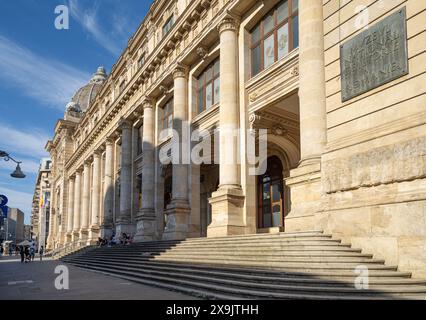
x=18 y=172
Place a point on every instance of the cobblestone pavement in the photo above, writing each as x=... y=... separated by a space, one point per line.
x=36 y=280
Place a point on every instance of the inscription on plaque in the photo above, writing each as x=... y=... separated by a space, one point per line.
x=374 y=57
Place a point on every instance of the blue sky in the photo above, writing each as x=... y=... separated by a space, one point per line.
x=41 y=68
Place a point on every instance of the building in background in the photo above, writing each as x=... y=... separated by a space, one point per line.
x=40 y=214
x=12 y=227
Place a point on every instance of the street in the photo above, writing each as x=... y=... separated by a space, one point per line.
x=36 y=281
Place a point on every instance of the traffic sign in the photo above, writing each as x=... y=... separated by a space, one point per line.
x=3 y=200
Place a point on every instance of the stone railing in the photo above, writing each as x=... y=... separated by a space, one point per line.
x=69 y=248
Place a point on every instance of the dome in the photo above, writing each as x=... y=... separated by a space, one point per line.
x=85 y=95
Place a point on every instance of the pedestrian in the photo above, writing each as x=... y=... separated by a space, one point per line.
x=10 y=250
x=22 y=252
x=41 y=251
x=1 y=250
x=32 y=253
x=27 y=254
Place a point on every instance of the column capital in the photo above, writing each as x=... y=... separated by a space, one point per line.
x=229 y=22
x=109 y=141
x=147 y=103
x=125 y=124
x=87 y=162
x=97 y=153
x=180 y=71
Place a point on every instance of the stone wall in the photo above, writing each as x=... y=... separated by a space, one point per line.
x=374 y=166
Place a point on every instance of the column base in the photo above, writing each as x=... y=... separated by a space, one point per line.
x=125 y=227
x=94 y=234
x=75 y=236
x=177 y=226
x=227 y=213
x=83 y=237
x=305 y=192
x=106 y=231
x=146 y=226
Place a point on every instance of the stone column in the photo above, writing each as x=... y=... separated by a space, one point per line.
x=70 y=208
x=178 y=211
x=146 y=220
x=124 y=221
x=108 y=196
x=227 y=202
x=77 y=205
x=96 y=190
x=85 y=208
x=305 y=181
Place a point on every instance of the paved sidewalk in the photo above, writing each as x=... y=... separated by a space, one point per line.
x=35 y=281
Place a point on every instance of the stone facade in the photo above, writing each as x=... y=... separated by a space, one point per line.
x=354 y=168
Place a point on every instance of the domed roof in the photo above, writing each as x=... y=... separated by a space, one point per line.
x=85 y=95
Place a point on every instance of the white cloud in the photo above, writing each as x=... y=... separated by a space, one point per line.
x=29 y=143
x=87 y=18
x=50 y=82
x=20 y=200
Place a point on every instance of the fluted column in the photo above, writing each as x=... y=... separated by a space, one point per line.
x=85 y=208
x=177 y=212
x=305 y=181
x=108 y=196
x=70 y=213
x=228 y=200
x=77 y=205
x=146 y=226
x=94 y=227
x=124 y=223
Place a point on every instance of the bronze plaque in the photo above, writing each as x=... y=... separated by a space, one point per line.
x=374 y=57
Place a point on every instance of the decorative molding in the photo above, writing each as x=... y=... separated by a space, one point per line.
x=202 y=52
x=180 y=71
x=229 y=23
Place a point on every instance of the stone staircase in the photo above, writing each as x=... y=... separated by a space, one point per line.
x=302 y=265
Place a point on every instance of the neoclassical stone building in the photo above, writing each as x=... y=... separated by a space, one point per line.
x=346 y=141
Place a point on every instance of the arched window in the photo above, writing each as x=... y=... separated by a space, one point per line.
x=208 y=87
x=275 y=35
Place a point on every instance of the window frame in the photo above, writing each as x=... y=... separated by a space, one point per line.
x=122 y=86
x=165 y=115
x=171 y=21
x=201 y=109
x=141 y=61
x=274 y=31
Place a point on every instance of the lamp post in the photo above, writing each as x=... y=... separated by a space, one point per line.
x=18 y=172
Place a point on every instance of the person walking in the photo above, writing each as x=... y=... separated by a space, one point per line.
x=1 y=250
x=32 y=253
x=22 y=252
x=41 y=251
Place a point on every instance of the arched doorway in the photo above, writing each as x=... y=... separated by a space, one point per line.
x=271 y=193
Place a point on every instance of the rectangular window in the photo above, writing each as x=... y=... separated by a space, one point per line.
x=122 y=86
x=167 y=121
x=274 y=36
x=209 y=86
x=141 y=61
x=168 y=25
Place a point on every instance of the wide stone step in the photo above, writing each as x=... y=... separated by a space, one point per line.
x=307 y=287
x=241 y=290
x=305 y=266
x=331 y=274
x=258 y=276
x=244 y=257
x=253 y=252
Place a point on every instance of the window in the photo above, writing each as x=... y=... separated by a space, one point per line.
x=122 y=86
x=139 y=146
x=167 y=121
x=208 y=86
x=274 y=36
x=168 y=25
x=141 y=61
